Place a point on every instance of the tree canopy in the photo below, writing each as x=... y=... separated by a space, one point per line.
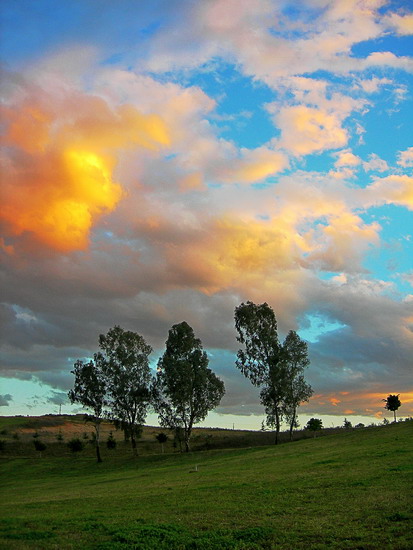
x=89 y=390
x=392 y=403
x=185 y=389
x=277 y=369
x=124 y=360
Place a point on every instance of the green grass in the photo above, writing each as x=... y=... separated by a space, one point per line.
x=347 y=491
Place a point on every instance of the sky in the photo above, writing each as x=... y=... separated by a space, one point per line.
x=166 y=160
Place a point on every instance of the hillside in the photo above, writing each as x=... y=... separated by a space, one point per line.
x=346 y=491
x=17 y=432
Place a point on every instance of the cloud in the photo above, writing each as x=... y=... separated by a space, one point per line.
x=376 y=164
x=393 y=189
x=57 y=398
x=346 y=158
x=401 y=23
x=405 y=158
x=306 y=130
x=131 y=199
x=5 y=400
x=59 y=162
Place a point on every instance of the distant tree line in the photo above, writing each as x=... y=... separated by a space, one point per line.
x=118 y=384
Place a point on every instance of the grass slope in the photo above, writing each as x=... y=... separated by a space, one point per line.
x=345 y=491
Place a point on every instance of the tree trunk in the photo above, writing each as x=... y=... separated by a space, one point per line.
x=97 y=430
x=134 y=447
x=394 y=415
x=187 y=437
x=292 y=426
x=277 y=426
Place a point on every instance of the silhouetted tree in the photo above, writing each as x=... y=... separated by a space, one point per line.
x=161 y=438
x=294 y=356
x=185 y=389
x=314 y=425
x=90 y=391
x=347 y=424
x=260 y=359
x=39 y=446
x=124 y=361
x=392 y=403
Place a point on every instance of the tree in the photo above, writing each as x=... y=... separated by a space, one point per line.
x=260 y=359
x=314 y=425
x=39 y=446
x=90 y=391
x=392 y=403
x=124 y=361
x=347 y=424
x=294 y=357
x=185 y=389
x=76 y=445
x=161 y=438
x=111 y=441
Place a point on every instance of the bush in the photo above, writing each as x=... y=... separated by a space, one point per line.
x=111 y=442
x=2 y=444
x=39 y=445
x=76 y=445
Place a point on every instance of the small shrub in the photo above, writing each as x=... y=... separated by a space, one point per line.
x=36 y=435
x=2 y=445
x=60 y=437
x=4 y=432
x=111 y=442
x=39 y=446
x=85 y=436
x=16 y=436
x=76 y=445
x=161 y=438
x=314 y=424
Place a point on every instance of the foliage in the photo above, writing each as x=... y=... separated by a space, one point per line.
x=39 y=445
x=259 y=361
x=185 y=389
x=2 y=444
x=314 y=425
x=347 y=424
x=161 y=438
x=76 y=445
x=124 y=361
x=294 y=358
x=392 y=403
x=111 y=441
x=90 y=391
x=277 y=369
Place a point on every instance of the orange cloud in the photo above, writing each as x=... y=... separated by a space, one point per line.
x=58 y=168
x=334 y=401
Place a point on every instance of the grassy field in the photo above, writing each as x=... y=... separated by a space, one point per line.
x=352 y=490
